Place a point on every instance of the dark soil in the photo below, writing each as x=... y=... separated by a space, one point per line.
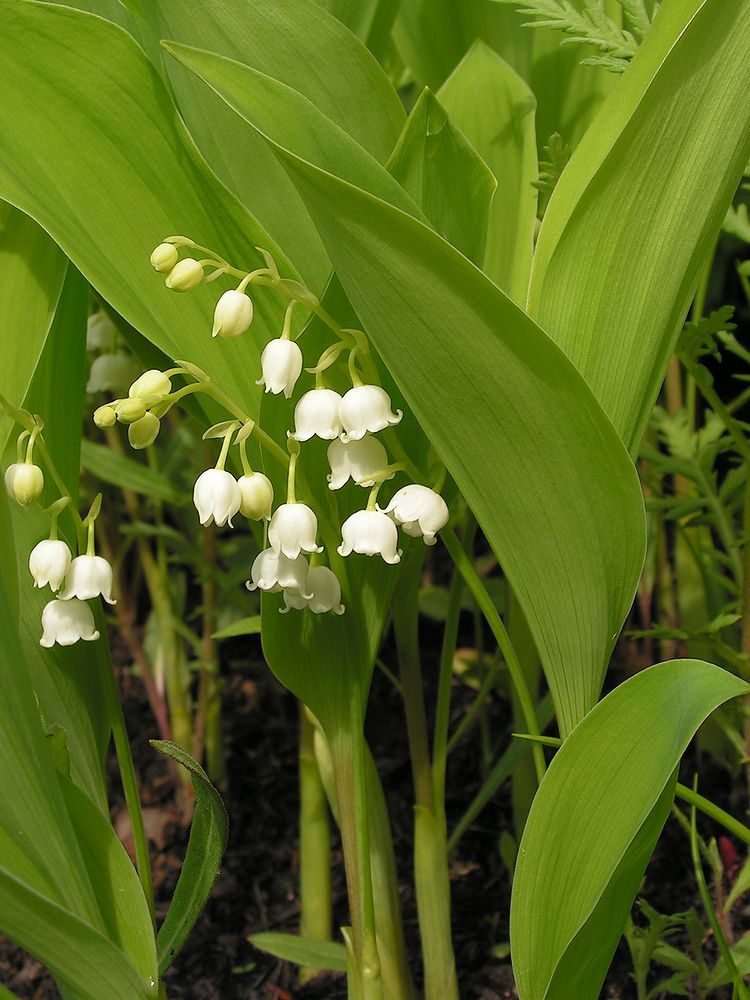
x=257 y=889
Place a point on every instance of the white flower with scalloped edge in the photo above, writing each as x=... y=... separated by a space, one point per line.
x=88 y=577
x=273 y=572
x=317 y=415
x=65 y=622
x=281 y=363
x=370 y=532
x=357 y=460
x=366 y=408
x=48 y=563
x=293 y=529
x=324 y=591
x=217 y=497
x=419 y=510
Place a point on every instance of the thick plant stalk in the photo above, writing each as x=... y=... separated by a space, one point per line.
x=316 y=916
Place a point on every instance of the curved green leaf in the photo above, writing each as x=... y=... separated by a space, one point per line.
x=208 y=838
x=330 y=955
x=660 y=163
x=594 y=822
x=128 y=473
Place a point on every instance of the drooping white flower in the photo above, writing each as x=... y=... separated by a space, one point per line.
x=186 y=274
x=88 y=577
x=101 y=332
x=419 y=510
x=151 y=387
x=317 y=413
x=272 y=572
x=370 y=532
x=366 y=408
x=111 y=373
x=143 y=432
x=293 y=529
x=325 y=588
x=233 y=314
x=65 y=622
x=281 y=362
x=216 y=497
x=48 y=563
x=257 y=496
x=357 y=460
x=164 y=257
x=24 y=482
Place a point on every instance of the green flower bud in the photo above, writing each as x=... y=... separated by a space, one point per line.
x=151 y=387
x=130 y=410
x=105 y=416
x=186 y=274
x=24 y=482
x=142 y=433
x=164 y=257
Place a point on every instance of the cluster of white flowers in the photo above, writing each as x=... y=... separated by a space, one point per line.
x=347 y=421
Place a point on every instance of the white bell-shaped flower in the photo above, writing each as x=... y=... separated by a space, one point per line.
x=48 y=563
x=419 y=510
x=273 y=572
x=101 y=332
x=323 y=593
x=366 y=408
x=65 y=622
x=233 y=314
x=151 y=387
x=371 y=533
x=164 y=257
x=88 y=577
x=24 y=482
x=357 y=460
x=111 y=373
x=257 y=496
x=186 y=274
x=217 y=497
x=317 y=414
x=293 y=529
x=281 y=362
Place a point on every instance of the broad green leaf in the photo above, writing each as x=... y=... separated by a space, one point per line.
x=329 y=955
x=445 y=175
x=243 y=626
x=637 y=209
x=208 y=838
x=141 y=179
x=370 y=20
x=486 y=98
x=33 y=270
x=508 y=415
x=108 y=466
x=594 y=822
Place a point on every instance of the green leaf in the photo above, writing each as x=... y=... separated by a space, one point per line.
x=594 y=823
x=109 y=466
x=435 y=163
x=370 y=20
x=508 y=415
x=208 y=838
x=661 y=164
x=720 y=975
x=243 y=626
x=327 y=955
x=137 y=154
x=487 y=99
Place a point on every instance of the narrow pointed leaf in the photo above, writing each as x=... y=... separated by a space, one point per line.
x=329 y=955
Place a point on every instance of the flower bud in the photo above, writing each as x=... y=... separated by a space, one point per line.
x=65 y=622
x=186 y=274
x=420 y=511
x=105 y=416
x=317 y=414
x=366 y=408
x=293 y=529
x=111 y=373
x=164 y=257
x=257 y=496
x=24 y=482
x=217 y=497
x=101 y=332
x=88 y=577
x=151 y=387
x=142 y=433
x=233 y=314
x=48 y=563
x=370 y=532
x=129 y=410
x=281 y=362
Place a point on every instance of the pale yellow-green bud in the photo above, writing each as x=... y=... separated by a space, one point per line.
x=151 y=387
x=257 y=496
x=105 y=416
x=186 y=274
x=142 y=433
x=130 y=410
x=164 y=257
x=24 y=482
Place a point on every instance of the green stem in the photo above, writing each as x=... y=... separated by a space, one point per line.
x=729 y=823
x=466 y=568
x=476 y=705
